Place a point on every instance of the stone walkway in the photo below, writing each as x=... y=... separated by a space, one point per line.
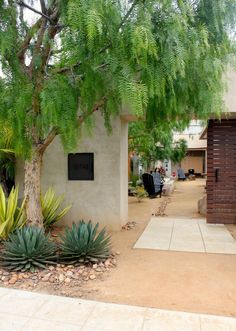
x=27 y=311
x=188 y=235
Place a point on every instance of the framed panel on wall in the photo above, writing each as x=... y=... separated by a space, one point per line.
x=81 y=166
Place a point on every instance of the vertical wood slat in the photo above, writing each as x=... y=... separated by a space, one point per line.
x=221 y=157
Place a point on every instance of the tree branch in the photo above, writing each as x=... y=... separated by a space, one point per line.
x=43 y=7
x=96 y=107
x=128 y=13
x=42 y=146
x=28 y=37
x=121 y=24
x=47 y=141
x=22 y=3
x=52 y=31
x=37 y=47
x=66 y=69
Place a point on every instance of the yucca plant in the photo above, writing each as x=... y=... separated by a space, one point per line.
x=28 y=249
x=50 y=206
x=82 y=243
x=11 y=216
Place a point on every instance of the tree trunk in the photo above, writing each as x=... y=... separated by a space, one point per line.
x=32 y=189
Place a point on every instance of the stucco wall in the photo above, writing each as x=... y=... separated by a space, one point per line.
x=193 y=140
x=230 y=95
x=103 y=200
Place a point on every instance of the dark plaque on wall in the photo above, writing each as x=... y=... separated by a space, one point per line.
x=81 y=166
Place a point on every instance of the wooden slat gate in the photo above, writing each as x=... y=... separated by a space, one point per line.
x=221 y=171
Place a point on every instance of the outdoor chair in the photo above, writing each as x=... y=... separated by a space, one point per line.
x=148 y=184
x=191 y=174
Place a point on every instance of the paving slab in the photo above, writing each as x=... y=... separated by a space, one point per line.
x=217 y=323
x=42 y=325
x=66 y=309
x=22 y=303
x=186 y=235
x=170 y=321
x=97 y=316
x=10 y=322
x=116 y=317
x=157 y=233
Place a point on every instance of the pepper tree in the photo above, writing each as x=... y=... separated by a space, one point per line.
x=63 y=60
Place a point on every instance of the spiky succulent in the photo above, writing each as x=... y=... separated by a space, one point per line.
x=27 y=249
x=82 y=243
x=50 y=206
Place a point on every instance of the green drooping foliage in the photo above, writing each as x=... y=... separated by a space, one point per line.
x=12 y=217
x=163 y=58
x=179 y=151
x=83 y=243
x=28 y=249
x=153 y=144
x=50 y=208
x=191 y=59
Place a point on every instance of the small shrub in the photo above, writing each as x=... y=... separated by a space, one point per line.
x=11 y=216
x=140 y=193
x=28 y=249
x=50 y=205
x=83 y=243
x=134 y=179
x=131 y=191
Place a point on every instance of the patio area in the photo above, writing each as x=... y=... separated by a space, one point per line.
x=171 y=277
x=186 y=235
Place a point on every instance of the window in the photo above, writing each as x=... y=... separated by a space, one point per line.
x=81 y=166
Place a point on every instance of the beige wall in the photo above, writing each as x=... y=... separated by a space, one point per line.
x=193 y=162
x=230 y=95
x=193 y=140
x=190 y=162
x=104 y=200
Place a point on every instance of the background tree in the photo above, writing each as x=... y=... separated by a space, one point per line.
x=179 y=151
x=156 y=144
x=62 y=60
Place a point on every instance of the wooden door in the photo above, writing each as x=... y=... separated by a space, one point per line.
x=221 y=171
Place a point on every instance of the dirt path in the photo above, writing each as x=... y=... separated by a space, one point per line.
x=195 y=282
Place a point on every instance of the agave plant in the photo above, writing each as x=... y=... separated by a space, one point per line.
x=83 y=243
x=11 y=216
x=28 y=249
x=50 y=205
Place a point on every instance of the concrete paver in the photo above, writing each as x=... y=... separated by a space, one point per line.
x=66 y=309
x=70 y=314
x=186 y=235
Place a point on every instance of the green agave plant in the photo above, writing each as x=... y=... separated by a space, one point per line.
x=83 y=243
x=50 y=206
x=28 y=249
x=11 y=216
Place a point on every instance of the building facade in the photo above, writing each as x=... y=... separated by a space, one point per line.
x=196 y=157
x=94 y=178
x=221 y=161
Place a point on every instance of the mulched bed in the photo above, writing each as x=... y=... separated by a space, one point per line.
x=59 y=279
